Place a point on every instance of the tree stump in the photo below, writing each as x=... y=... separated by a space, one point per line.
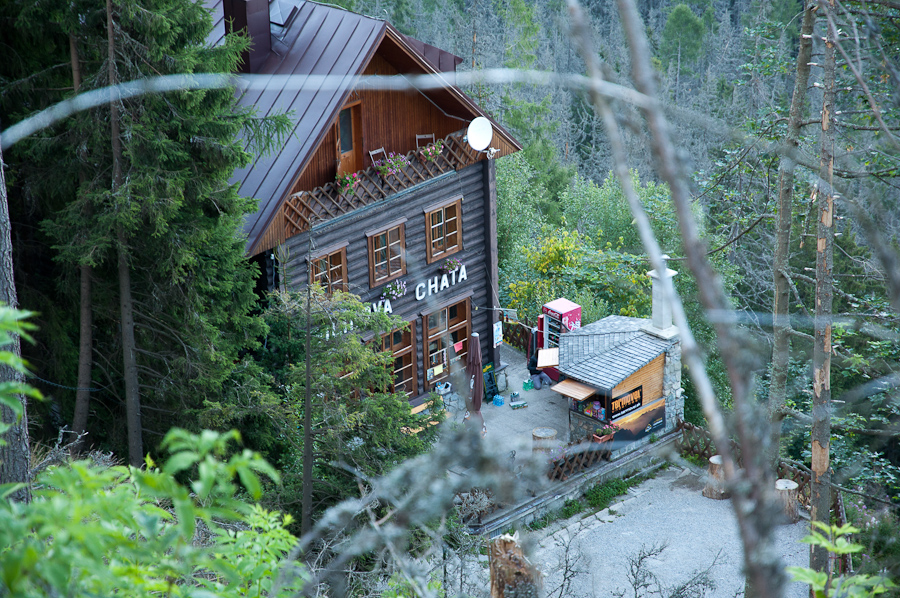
x=543 y=441
x=715 y=480
x=787 y=491
x=512 y=575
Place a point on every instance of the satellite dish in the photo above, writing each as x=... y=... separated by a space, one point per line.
x=479 y=134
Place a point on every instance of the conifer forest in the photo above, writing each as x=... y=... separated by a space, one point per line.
x=170 y=426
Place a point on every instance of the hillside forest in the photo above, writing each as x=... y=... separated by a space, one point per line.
x=768 y=168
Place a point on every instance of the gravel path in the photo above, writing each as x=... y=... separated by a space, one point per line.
x=667 y=509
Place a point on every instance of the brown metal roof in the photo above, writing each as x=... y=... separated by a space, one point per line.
x=320 y=40
x=440 y=59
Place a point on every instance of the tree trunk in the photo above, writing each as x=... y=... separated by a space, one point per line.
x=85 y=343
x=15 y=454
x=781 y=319
x=820 y=489
x=126 y=304
x=306 y=506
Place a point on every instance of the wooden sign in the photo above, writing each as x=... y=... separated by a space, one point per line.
x=548 y=358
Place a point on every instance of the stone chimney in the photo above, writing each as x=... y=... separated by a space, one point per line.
x=661 y=320
x=251 y=16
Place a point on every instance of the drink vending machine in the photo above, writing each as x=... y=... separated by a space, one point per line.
x=559 y=316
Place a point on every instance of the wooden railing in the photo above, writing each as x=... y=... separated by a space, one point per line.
x=575 y=458
x=327 y=202
x=518 y=335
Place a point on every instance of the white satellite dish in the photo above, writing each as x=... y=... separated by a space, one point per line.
x=479 y=134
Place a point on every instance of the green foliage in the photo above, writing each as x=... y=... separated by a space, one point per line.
x=879 y=535
x=179 y=216
x=91 y=531
x=12 y=323
x=360 y=423
x=602 y=495
x=602 y=212
x=570 y=508
x=832 y=538
x=519 y=197
x=682 y=36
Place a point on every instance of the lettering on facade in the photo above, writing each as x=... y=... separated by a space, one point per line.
x=435 y=285
x=382 y=305
x=628 y=402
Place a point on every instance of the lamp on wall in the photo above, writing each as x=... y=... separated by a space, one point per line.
x=479 y=136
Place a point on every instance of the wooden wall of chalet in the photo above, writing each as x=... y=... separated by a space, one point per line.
x=476 y=254
x=650 y=377
x=390 y=119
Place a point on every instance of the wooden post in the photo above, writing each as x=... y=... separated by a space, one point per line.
x=787 y=491
x=512 y=576
x=715 y=480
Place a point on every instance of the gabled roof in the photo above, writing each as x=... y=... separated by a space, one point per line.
x=319 y=40
x=606 y=352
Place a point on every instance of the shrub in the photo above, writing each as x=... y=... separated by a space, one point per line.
x=601 y=496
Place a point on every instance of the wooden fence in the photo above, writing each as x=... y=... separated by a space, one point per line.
x=518 y=335
x=575 y=458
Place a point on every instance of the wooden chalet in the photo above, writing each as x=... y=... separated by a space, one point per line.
x=387 y=230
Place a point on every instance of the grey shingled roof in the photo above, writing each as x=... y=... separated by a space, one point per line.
x=606 y=352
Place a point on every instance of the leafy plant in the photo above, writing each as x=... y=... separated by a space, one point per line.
x=431 y=151
x=608 y=428
x=12 y=322
x=601 y=496
x=92 y=531
x=394 y=289
x=391 y=165
x=451 y=264
x=347 y=182
x=833 y=539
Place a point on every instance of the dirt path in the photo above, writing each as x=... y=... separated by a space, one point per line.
x=668 y=509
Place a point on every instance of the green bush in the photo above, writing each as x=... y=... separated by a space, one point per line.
x=601 y=496
x=572 y=507
x=92 y=531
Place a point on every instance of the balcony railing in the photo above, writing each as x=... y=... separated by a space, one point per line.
x=327 y=202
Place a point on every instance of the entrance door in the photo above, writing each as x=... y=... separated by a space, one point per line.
x=445 y=328
x=349 y=140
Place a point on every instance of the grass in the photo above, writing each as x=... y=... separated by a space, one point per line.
x=597 y=498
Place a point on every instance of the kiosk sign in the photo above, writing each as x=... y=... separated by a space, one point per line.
x=626 y=403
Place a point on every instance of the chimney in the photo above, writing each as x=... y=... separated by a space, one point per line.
x=251 y=16
x=661 y=320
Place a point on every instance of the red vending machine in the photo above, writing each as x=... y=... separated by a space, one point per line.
x=559 y=316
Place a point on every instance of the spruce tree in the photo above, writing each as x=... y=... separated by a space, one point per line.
x=166 y=230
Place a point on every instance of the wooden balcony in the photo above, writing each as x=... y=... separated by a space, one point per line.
x=327 y=202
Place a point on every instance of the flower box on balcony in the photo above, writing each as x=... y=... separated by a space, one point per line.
x=347 y=182
x=432 y=151
x=392 y=165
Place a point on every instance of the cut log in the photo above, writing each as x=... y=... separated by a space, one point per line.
x=512 y=576
x=543 y=441
x=787 y=492
x=715 y=480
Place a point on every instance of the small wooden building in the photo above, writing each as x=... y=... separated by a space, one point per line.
x=429 y=227
x=626 y=371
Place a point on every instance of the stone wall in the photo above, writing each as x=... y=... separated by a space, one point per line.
x=581 y=427
x=672 y=386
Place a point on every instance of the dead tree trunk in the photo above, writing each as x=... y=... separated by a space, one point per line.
x=512 y=576
x=15 y=454
x=820 y=488
x=781 y=317
x=126 y=303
